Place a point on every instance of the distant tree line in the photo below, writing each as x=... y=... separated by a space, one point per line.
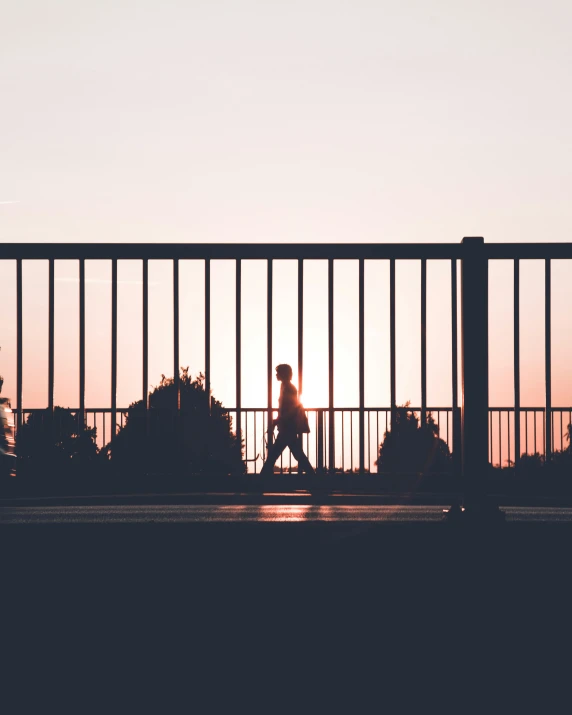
x=201 y=441
x=197 y=441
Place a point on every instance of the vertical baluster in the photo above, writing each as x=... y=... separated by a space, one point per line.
x=377 y=435
x=491 y=436
x=19 y=345
x=516 y=352
x=81 y=417
x=352 y=442
x=208 y=332
x=300 y=325
x=508 y=430
x=113 y=347
x=238 y=351
x=548 y=359
x=269 y=368
x=369 y=442
x=392 y=362
x=320 y=439
x=423 y=341
x=500 y=440
x=176 y=342
x=51 y=344
x=447 y=414
x=361 y=364
x=343 y=441
x=331 y=428
x=145 y=377
x=177 y=423
x=255 y=416
x=51 y=331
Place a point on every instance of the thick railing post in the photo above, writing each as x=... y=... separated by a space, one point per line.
x=475 y=371
x=457 y=441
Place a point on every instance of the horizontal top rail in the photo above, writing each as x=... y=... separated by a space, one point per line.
x=510 y=251
x=166 y=251
x=224 y=408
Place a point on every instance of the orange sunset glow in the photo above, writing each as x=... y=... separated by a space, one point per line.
x=285 y=348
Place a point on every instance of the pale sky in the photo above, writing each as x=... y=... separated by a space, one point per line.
x=303 y=121
x=313 y=120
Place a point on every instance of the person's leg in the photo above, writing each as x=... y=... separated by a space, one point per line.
x=273 y=453
x=295 y=444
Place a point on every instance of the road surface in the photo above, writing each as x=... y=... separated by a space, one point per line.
x=261 y=514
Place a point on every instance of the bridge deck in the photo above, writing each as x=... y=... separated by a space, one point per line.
x=258 y=514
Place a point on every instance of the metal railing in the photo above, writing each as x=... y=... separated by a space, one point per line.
x=472 y=255
x=532 y=432
x=254 y=423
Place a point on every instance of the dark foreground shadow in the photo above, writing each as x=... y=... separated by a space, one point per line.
x=252 y=604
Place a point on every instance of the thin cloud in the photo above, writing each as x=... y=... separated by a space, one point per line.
x=5 y=203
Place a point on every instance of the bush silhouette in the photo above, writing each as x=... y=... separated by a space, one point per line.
x=53 y=441
x=408 y=447
x=193 y=442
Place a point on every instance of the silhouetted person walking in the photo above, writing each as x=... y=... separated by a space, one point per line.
x=291 y=423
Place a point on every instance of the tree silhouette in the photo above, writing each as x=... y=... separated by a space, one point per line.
x=411 y=448
x=54 y=441
x=163 y=441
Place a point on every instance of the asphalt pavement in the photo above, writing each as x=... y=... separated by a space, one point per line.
x=253 y=514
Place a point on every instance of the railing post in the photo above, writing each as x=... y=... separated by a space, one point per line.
x=457 y=441
x=475 y=371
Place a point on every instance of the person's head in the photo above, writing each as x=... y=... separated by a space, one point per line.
x=283 y=372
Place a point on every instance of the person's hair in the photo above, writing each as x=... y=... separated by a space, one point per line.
x=284 y=371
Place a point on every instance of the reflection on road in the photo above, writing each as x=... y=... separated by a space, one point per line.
x=268 y=513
